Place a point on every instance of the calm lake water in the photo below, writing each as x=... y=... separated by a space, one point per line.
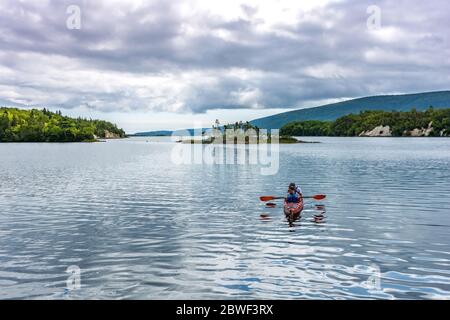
x=140 y=227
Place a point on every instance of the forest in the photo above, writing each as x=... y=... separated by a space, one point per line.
x=17 y=125
x=400 y=123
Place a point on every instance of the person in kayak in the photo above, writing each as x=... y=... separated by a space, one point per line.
x=294 y=193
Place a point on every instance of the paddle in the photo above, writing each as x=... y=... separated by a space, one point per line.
x=316 y=197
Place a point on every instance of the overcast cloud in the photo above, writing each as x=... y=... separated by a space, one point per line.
x=194 y=56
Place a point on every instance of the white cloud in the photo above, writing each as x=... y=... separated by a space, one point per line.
x=330 y=70
x=247 y=97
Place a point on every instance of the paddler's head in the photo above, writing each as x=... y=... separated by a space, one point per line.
x=292 y=185
x=291 y=189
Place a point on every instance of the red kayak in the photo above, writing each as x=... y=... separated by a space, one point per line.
x=293 y=208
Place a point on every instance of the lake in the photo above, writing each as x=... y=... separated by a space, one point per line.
x=129 y=223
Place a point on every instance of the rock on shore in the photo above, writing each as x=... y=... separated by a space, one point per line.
x=385 y=131
x=379 y=131
x=108 y=135
x=422 y=132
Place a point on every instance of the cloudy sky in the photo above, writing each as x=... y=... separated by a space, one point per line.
x=160 y=64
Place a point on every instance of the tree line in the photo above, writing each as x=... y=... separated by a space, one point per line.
x=17 y=125
x=400 y=123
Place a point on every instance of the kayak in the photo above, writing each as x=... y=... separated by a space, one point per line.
x=293 y=208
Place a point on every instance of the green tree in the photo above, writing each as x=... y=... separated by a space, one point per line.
x=45 y=126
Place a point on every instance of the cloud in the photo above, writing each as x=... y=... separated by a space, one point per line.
x=194 y=56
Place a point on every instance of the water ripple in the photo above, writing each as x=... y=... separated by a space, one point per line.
x=140 y=227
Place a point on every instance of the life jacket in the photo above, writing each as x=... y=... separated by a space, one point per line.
x=292 y=197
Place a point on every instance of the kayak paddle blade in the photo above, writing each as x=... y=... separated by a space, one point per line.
x=267 y=198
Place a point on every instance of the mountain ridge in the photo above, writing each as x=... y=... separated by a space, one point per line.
x=329 y=112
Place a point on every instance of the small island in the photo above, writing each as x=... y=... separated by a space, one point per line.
x=429 y=123
x=238 y=133
x=17 y=125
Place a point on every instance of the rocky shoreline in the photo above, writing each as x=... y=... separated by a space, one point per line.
x=385 y=131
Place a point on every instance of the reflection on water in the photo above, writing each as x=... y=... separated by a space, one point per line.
x=315 y=211
x=140 y=227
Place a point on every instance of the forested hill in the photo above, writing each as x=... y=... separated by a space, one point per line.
x=405 y=102
x=377 y=123
x=18 y=125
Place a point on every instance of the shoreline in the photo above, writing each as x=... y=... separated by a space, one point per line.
x=65 y=142
x=200 y=142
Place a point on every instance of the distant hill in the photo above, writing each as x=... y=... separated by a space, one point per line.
x=165 y=133
x=162 y=133
x=329 y=112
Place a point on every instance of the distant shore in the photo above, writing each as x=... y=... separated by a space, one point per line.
x=429 y=123
x=65 y=142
